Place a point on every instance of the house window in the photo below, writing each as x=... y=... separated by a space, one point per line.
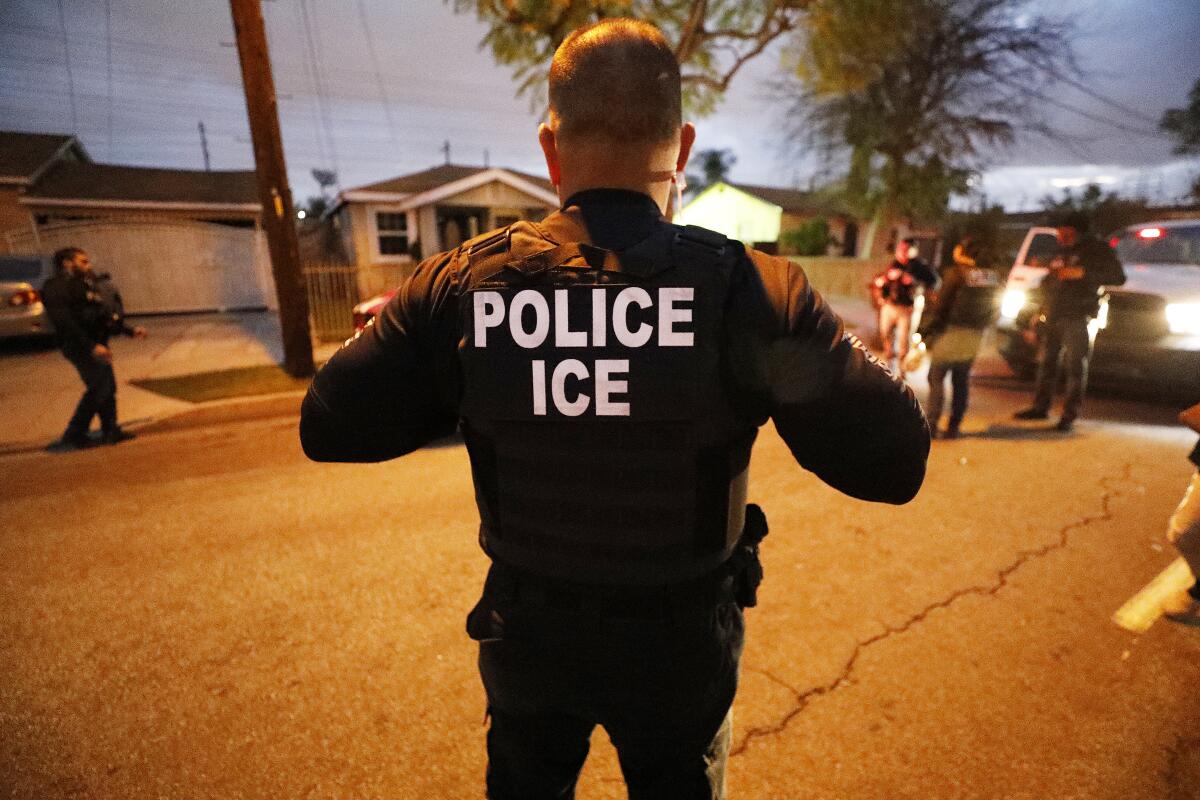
x=391 y=227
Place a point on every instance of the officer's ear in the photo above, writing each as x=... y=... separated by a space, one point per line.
x=549 y=143
x=687 y=137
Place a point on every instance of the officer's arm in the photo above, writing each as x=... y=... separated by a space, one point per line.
x=1104 y=266
x=63 y=314
x=934 y=318
x=391 y=389
x=840 y=411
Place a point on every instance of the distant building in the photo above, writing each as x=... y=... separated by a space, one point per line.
x=388 y=226
x=174 y=239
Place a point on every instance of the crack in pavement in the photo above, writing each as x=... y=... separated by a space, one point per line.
x=1023 y=557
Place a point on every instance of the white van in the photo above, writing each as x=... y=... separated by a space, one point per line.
x=1147 y=331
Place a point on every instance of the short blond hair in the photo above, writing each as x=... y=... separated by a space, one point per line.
x=616 y=79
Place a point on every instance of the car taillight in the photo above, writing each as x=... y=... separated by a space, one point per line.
x=24 y=297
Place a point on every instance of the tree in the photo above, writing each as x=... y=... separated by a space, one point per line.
x=1105 y=213
x=712 y=39
x=715 y=166
x=910 y=92
x=1184 y=125
x=809 y=238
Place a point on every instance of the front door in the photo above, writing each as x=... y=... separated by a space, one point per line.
x=457 y=224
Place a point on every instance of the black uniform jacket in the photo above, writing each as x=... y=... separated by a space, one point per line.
x=77 y=312
x=1081 y=297
x=397 y=385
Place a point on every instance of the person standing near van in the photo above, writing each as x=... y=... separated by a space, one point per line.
x=952 y=330
x=895 y=293
x=1184 y=532
x=1071 y=294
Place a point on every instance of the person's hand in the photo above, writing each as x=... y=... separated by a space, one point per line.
x=1070 y=273
x=102 y=354
x=139 y=332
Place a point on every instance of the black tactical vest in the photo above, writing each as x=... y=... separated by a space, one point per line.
x=596 y=409
x=977 y=300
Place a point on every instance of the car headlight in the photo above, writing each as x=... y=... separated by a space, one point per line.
x=1012 y=303
x=1184 y=318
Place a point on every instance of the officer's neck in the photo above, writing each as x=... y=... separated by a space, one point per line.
x=658 y=191
x=598 y=165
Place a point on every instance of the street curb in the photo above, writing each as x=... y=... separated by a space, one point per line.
x=212 y=412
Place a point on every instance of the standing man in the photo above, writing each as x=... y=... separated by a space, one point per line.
x=952 y=330
x=1071 y=293
x=895 y=291
x=86 y=311
x=609 y=372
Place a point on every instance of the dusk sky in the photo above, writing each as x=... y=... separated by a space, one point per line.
x=372 y=88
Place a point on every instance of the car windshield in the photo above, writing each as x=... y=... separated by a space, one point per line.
x=27 y=270
x=1041 y=250
x=1171 y=246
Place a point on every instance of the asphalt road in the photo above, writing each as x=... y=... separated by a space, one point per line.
x=205 y=614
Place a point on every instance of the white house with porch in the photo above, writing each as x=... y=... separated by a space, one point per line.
x=387 y=227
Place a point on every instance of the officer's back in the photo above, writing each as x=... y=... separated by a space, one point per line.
x=609 y=371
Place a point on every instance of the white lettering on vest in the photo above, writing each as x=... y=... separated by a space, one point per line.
x=668 y=315
x=626 y=297
x=539 y=387
x=606 y=386
x=489 y=313
x=563 y=335
x=558 y=386
x=516 y=322
x=599 y=318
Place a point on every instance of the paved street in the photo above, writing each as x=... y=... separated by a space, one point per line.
x=206 y=614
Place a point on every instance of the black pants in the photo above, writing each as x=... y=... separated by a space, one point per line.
x=661 y=688
x=99 y=396
x=960 y=373
x=1065 y=339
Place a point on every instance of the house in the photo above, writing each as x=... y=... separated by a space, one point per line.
x=764 y=215
x=74 y=190
x=386 y=227
x=174 y=240
x=24 y=157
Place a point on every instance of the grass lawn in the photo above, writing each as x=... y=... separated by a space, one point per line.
x=240 y=382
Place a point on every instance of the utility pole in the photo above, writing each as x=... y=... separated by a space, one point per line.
x=273 y=190
x=204 y=148
x=446 y=150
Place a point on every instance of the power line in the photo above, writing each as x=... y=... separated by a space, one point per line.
x=62 y=21
x=1045 y=98
x=109 y=69
x=315 y=60
x=387 y=107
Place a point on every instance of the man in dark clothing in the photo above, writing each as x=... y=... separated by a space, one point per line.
x=609 y=372
x=951 y=329
x=86 y=311
x=1071 y=294
x=895 y=292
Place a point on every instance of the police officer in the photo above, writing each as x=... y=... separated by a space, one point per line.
x=609 y=372
x=951 y=329
x=86 y=310
x=895 y=292
x=1071 y=293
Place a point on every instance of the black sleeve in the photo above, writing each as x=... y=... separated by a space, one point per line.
x=394 y=387
x=936 y=315
x=924 y=273
x=1102 y=266
x=841 y=412
x=63 y=310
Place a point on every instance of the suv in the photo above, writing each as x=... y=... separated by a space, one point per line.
x=1147 y=331
x=21 y=309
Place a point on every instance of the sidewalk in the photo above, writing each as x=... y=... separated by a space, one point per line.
x=39 y=388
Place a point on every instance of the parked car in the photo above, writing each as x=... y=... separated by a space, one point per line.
x=1147 y=331
x=21 y=309
x=365 y=311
